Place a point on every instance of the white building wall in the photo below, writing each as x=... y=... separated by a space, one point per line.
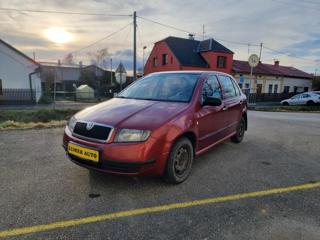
x=15 y=70
x=299 y=83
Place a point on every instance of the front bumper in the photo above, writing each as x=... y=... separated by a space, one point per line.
x=143 y=158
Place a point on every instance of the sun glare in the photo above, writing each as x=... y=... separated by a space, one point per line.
x=58 y=35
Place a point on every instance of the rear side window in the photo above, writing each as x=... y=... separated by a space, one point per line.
x=227 y=87
x=236 y=86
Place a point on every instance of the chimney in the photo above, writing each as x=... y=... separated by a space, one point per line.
x=276 y=62
x=191 y=36
x=80 y=64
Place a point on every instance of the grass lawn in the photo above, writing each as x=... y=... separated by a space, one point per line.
x=288 y=108
x=43 y=118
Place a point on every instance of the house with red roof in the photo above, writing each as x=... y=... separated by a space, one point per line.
x=271 y=78
x=174 y=53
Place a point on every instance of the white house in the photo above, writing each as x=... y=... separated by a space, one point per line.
x=18 y=75
x=272 y=78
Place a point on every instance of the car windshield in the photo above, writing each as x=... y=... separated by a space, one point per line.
x=175 y=87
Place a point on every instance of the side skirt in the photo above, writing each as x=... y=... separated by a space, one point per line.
x=215 y=143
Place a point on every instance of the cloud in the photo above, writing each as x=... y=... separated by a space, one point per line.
x=287 y=28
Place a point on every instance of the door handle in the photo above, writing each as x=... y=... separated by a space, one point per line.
x=241 y=101
x=224 y=108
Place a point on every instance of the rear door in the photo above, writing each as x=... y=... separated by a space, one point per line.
x=232 y=103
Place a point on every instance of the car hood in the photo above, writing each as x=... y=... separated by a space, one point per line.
x=132 y=113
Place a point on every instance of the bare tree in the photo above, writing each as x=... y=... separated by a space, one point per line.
x=69 y=59
x=98 y=56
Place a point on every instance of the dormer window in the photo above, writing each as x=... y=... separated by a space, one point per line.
x=221 y=62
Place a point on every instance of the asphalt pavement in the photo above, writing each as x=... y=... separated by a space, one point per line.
x=40 y=186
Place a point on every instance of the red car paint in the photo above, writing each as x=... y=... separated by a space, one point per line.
x=206 y=126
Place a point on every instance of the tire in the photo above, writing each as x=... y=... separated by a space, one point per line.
x=310 y=103
x=285 y=104
x=238 y=137
x=180 y=161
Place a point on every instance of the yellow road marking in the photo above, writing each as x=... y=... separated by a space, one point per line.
x=111 y=216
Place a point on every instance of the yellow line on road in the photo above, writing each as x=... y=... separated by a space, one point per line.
x=161 y=208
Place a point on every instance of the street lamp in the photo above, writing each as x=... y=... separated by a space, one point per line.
x=144 y=47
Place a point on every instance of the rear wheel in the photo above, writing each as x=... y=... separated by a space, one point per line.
x=285 y=104
x=237 y=138
x=180 y=161
x=310 y=103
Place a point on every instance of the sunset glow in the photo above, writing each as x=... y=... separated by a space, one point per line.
x=58 y=35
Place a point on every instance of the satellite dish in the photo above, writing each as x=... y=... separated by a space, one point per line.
x=253 y=60
x=121 y=74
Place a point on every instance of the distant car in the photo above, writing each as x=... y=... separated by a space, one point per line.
x=158 y=124
x=307 y=98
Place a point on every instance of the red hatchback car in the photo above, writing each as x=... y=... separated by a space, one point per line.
x=158 y=124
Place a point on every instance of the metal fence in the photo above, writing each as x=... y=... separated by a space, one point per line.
x=24 y=96
x=17 y=96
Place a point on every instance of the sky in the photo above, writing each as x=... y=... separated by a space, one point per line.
x=290 y=27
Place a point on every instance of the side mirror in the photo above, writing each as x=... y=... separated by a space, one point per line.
x=212 y=101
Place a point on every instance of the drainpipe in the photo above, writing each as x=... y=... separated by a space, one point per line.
x=30 y=81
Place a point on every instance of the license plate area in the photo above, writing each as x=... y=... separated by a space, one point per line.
x=85 y=153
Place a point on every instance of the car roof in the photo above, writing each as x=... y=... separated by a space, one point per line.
x=193 y=71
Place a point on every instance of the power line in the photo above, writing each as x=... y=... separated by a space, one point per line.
x=230 y=41
x=297 y=5
x=63 y=12
x=102 y=39
x=165 y=25
x=291 y=55
x=186 y=31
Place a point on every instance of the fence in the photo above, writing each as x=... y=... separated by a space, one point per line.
x=23 y=96
x=17 y=96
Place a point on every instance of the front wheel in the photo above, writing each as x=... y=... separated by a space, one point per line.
x=238 y=137
x=180 y=161
x=285 y=104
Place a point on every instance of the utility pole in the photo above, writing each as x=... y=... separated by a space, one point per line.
x=203 y=32
x=134 y=45
x=144 y=48
x=111 y=72
x=261 y=45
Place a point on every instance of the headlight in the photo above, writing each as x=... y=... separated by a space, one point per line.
x=72 y=123
x=132 y=135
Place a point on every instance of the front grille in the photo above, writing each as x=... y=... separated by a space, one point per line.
x=97 y=132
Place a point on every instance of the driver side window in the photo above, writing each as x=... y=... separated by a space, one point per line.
x=211 y=88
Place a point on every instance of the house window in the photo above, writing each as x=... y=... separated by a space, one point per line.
x=165 y=59
x=270 y=88
x=295 y=89
x=155 y=62
x=275 y=88
x=286 y=89
x=305 y=89
x=221 y=62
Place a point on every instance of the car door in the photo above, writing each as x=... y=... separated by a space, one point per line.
x=210 y=119
x=304 y=98
x=295 y=100
x=232 y=103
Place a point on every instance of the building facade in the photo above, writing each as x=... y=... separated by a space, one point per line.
x=18 y=74
x=271 y=78
x=173 y=53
